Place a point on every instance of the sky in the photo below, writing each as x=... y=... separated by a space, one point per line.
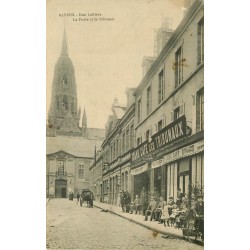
x=107 y=55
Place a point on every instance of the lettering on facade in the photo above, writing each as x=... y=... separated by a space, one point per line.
x=181 y=153
x=178 y=154
x=139 y=170
x=174 y=131
x=188 y=150
x=119 y=161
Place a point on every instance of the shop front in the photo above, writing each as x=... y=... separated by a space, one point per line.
x=141 y=179
x=174 y=161
x=182 y=169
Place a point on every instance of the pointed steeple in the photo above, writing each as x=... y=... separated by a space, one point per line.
x=64 y=44
x=84 y=119
x=79 y=112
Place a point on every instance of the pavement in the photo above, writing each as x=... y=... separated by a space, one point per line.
x=70 y=226
x=139 y=219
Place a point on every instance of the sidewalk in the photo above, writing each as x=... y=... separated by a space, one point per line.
x=139 y=219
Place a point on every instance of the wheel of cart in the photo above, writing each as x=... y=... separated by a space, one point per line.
x=195 y=229
x=199 y=227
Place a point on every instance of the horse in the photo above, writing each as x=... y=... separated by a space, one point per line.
x=88 y=197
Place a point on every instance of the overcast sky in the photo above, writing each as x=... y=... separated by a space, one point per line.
x=106 y=55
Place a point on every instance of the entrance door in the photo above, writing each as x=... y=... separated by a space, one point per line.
x=140 y=181
x=184 y=182
x=61 y=188
x=63 y=192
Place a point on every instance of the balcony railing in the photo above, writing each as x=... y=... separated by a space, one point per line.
x=61 y=175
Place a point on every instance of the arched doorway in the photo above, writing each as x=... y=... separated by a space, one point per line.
x=61 y=188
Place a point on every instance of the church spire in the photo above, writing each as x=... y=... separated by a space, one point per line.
x=64 y=44
x=84 y=124
x=84 y=119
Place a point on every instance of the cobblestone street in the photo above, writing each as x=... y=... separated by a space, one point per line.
x=70 y=226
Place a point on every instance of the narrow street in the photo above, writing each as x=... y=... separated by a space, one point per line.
x=70 y=226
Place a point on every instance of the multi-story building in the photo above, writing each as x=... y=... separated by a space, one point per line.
x=96 y=176
x=169 y=113
x=117 y=150
x=157 y=142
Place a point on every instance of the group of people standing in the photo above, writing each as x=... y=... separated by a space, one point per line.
x=172 y=213
x=176 y=213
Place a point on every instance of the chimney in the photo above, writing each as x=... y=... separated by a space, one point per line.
x=130 y=96
x=146 y=64
x=187 y=5
x=162 y=35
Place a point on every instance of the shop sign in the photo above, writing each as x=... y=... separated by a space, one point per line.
x=114 y=164
x=156 y=164
x=126 y=165
x=140 y=169
x=184 y=152
x=169 y=134
x=125 y=157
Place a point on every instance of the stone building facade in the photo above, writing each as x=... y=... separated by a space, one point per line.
x=165 y=124
x=169 y=113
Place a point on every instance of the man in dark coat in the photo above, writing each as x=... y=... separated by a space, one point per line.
x=199 y=213
x=179 y=198
x=78 y=197
x=127 y=202
x=122 y=200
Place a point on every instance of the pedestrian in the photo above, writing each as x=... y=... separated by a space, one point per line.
x=144 y=200
x=151 y=208
x=159 y=209
x=179 y=198
x=165 y=214
x=199 y=214
x=122 y=200
x=78 y=197
x=135 y=205
x=119 y=199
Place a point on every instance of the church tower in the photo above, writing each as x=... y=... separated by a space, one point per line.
x=64 y=115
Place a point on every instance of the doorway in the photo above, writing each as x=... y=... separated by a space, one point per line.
x=61 y=188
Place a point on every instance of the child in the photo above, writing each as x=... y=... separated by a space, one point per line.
x=165 y=215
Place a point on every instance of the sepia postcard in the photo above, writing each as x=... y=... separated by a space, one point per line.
x=125 y=124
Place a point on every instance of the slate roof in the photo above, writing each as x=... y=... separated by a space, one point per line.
x=119 y=111
x=96 y=132
x=77 y=146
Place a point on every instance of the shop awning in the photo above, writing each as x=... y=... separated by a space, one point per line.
x=140 y=169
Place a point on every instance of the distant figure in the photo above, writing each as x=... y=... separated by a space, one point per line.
x=78 y=197
x=91 y=199
x=127 y=201
x=135 y=205
x=179 y=198
x=151 y=208
x=122 y=200
x=119 y=199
